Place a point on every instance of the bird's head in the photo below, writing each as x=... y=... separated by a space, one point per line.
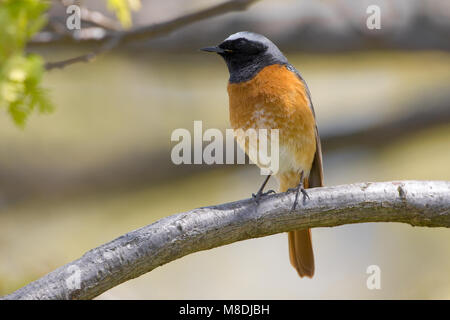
x=246 y=53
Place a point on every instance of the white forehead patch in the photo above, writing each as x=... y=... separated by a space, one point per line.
x=247 y=35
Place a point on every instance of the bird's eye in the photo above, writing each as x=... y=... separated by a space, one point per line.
x=241 y=42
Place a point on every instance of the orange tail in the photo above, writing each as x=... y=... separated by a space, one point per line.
x=301 y=252
x=300 y=246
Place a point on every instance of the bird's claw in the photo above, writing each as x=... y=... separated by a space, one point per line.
x=259 y=195
x=298 y=189
x=305 y=195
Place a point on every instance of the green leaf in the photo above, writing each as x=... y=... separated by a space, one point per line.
x=21 y=73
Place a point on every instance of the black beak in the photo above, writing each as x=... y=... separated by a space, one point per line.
x=213 y=49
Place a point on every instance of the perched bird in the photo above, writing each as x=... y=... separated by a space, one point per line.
x=266 y=92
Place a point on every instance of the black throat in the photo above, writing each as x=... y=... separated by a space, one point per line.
x=244 y=68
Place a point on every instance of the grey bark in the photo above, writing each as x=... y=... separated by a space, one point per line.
x=418 y=203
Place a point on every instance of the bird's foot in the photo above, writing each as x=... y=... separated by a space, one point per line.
x=257 y=197
x=299 y=188
x=260 y=192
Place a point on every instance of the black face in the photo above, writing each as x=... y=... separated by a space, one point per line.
x=247 y=55
x=241 y=48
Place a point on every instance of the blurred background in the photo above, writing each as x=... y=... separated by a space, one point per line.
x=99 y=165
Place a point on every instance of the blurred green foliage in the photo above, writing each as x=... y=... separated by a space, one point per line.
x=21 y=73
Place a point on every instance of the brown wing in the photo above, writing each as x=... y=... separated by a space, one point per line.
x=316 y=173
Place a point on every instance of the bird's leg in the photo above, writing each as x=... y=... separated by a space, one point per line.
x=298 y=189
x=260 y=192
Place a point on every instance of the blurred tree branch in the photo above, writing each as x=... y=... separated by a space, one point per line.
x=99 y=19
x=418 y=203
x=112 y=39
x=149 y=167
x=389 y=130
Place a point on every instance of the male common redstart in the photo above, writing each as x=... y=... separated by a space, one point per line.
x=266 y=92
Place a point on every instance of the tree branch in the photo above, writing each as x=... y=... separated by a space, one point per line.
x=418 y=203
x=99 y=19
x=155 y=30
x=85 y=57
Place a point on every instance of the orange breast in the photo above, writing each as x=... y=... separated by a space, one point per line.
x=276 y=99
